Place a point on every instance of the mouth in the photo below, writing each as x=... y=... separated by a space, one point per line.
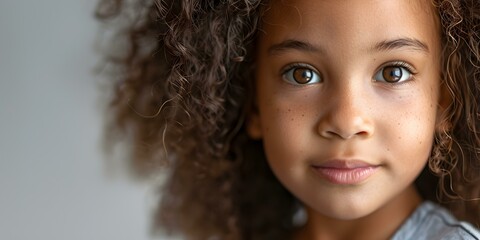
x=345 y=172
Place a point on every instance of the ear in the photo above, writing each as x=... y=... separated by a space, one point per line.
x=444 y=102
x=254 y=125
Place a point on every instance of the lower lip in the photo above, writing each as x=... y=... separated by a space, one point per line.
x=346 y=176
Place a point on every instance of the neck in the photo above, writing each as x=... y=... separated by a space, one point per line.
x=390 y=217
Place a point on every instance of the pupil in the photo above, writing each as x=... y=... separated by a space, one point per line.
x=392 y=74
x=302 y=75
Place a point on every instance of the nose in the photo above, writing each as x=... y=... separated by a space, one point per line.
x=347 y=115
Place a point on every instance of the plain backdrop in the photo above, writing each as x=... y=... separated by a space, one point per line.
x=55 y=183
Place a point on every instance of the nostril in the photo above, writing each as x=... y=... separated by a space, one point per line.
x=345 y=128
x=335 y=134
x=362 y=133
x=331 y=134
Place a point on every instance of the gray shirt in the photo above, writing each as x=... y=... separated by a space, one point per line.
x=430 y=221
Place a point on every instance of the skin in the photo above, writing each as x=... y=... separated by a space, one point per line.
x=351 y=113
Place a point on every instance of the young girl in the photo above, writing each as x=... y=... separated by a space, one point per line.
x=362 y=115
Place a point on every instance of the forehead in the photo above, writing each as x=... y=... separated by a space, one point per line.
x=352 y=22
x=297 y=10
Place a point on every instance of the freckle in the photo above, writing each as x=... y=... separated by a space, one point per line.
x=303 y=115
x=289 y=110
x=399 y=137
x=292 y=119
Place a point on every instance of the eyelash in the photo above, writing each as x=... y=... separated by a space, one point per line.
x=409 y=67
x=286 y=71
x=411 y=70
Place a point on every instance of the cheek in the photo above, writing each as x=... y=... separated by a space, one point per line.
x=408 y=134
x=287 y=127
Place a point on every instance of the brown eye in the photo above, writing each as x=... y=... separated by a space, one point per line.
x=301 y=75
x=392 y=74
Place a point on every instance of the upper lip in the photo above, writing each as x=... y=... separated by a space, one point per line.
x=344 y=164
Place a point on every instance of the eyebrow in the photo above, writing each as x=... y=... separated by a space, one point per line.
x=293 y=44
x=387 y=45
x=411 y=43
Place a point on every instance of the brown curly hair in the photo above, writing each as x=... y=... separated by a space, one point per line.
x=183 y=88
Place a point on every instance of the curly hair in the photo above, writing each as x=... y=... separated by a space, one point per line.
x=455 y=157
x=184 y=86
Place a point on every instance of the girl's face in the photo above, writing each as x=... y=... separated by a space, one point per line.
x=347 y=100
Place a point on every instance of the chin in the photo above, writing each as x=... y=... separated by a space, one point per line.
x=348 y=215
x=344 y=211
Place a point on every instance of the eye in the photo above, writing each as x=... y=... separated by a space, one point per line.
x=301 y=74
x=394 y=73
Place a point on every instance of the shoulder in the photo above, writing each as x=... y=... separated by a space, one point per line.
x=430 y=221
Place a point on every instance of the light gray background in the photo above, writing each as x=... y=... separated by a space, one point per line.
x=54 y=180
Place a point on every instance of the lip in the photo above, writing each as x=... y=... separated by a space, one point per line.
x=345 y=172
